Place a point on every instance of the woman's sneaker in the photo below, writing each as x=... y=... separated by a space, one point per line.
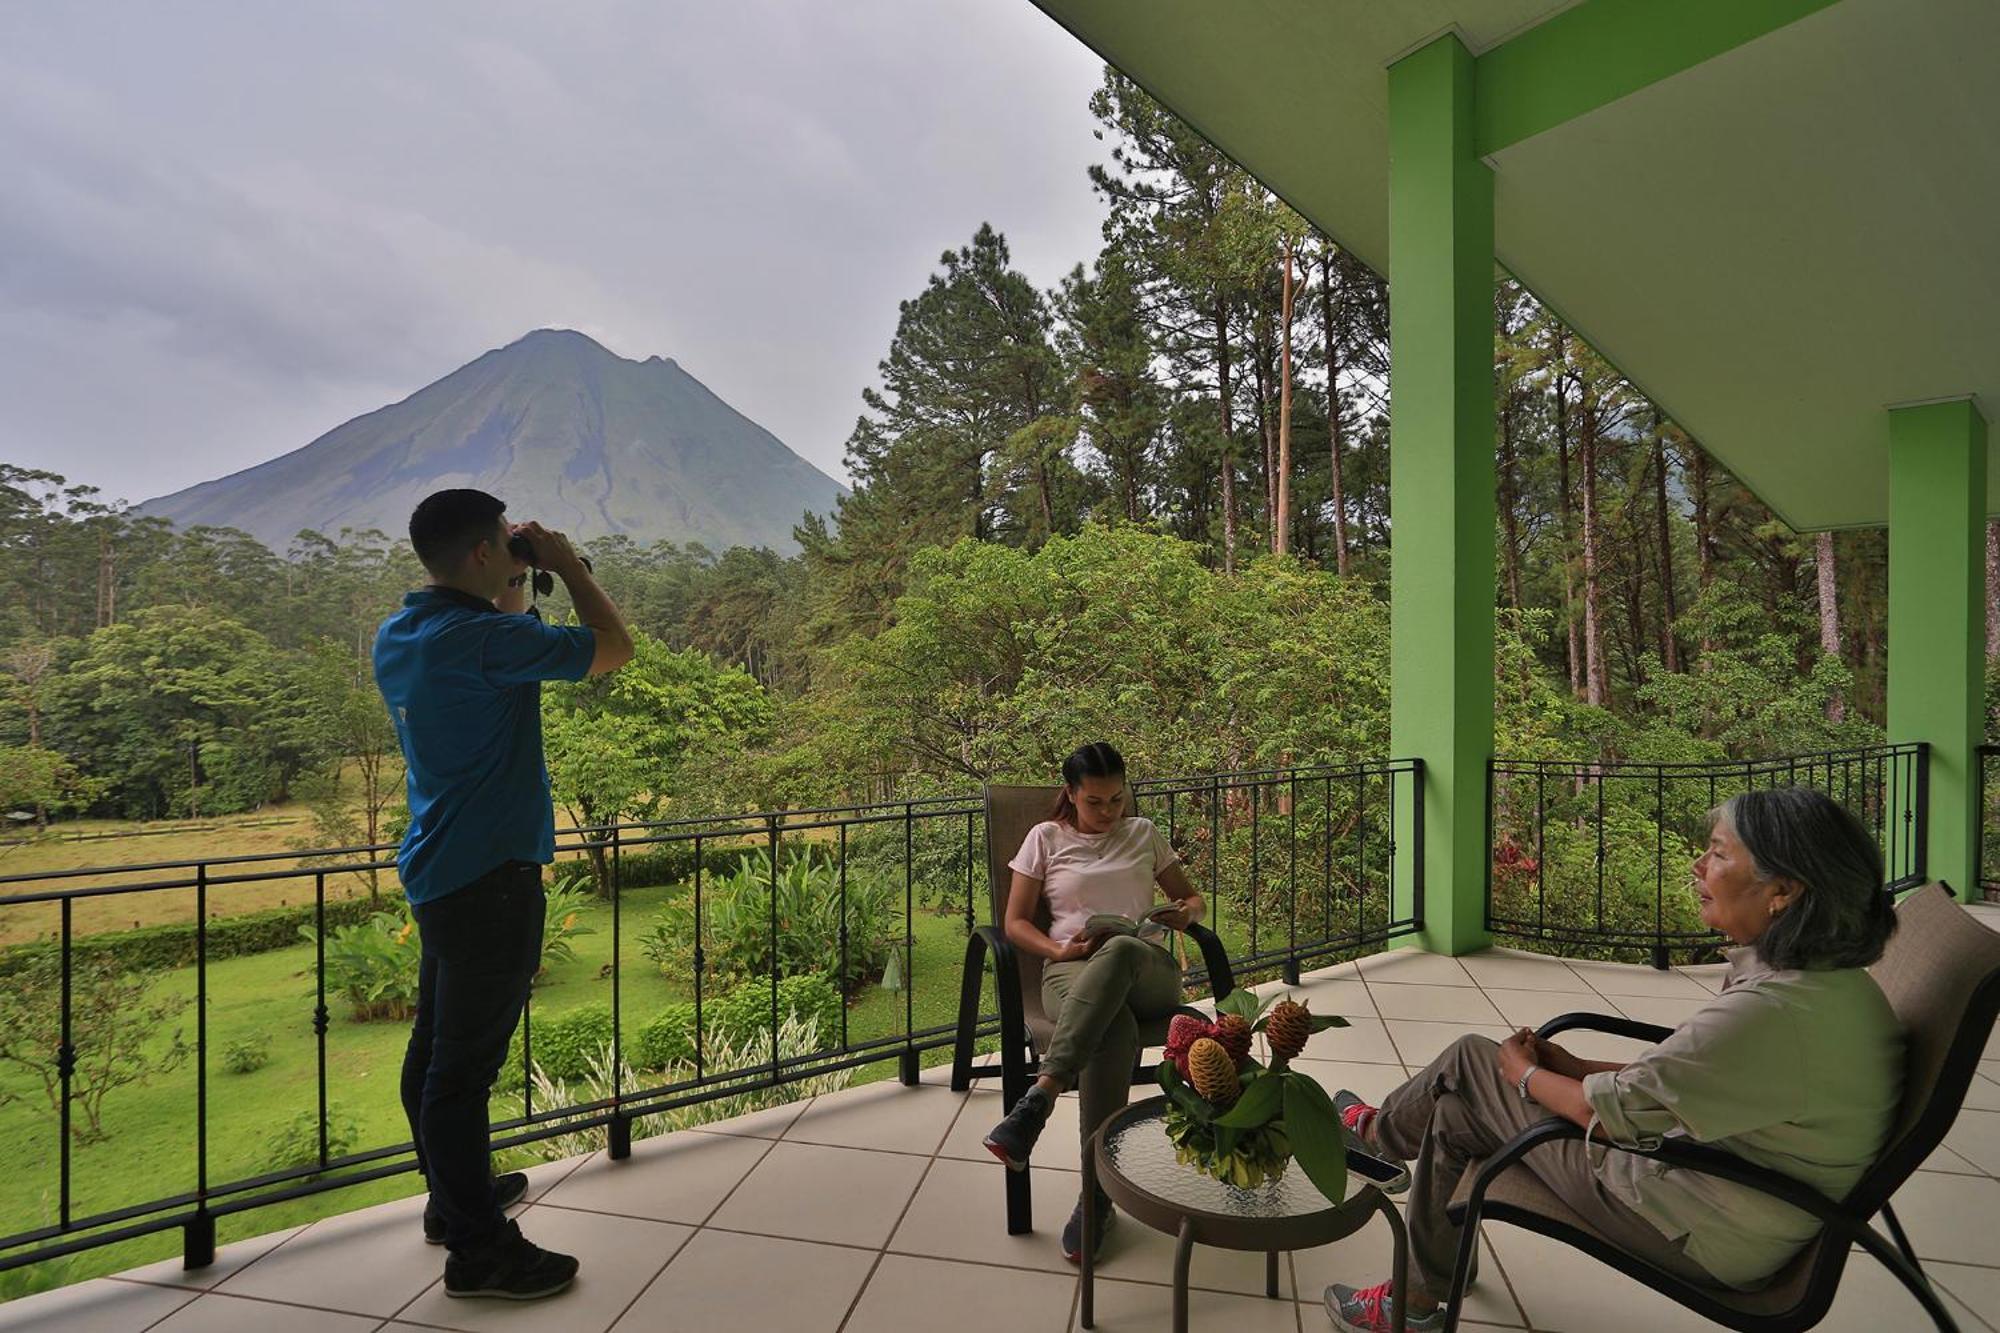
x=1014 y=1138
x=508 y=1190
x=1367 y=1311
x=1356 y=1119
x=509 y=1268
x=1072 y=1236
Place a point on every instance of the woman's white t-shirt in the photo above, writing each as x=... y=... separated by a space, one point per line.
x=1086 y=873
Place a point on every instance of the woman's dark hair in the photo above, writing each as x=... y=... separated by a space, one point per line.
x=1844 y=917
x=1095 y=760
x=447 y=525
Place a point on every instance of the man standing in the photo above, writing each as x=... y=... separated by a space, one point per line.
x=461 y=670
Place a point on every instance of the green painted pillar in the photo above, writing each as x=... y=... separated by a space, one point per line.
x=1441 y=485
x=1937 y=615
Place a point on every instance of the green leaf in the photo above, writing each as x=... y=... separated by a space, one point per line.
x=1245 y=1005
x=1260 y=1101
x=1315 y=1134
x=1183 y=1096
x=1321 y=1023
x=1226 y=1139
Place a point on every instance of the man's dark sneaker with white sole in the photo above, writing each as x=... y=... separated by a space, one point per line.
x=1014 y=1138
x=509 y=1268
x=1072 y=1236
x=508 y=1190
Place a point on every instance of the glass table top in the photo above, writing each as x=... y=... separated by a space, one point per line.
x=1140 y=1152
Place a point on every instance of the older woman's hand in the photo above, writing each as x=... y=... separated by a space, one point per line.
x=1517 y=1053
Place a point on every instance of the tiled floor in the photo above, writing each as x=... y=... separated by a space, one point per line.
x=876 y=1209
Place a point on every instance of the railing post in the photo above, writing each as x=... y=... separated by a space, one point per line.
x=198 y=1236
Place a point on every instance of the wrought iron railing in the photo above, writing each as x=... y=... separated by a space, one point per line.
x=1594 y=855
x=1300 y=865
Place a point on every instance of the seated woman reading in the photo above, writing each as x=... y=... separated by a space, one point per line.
x=1087 y=858
x=1797 y=1066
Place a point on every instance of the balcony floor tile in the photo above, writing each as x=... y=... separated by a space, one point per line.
x=911 y=1295
x=1433 y=1004
x=724 y=1280
x=672 y=1178
x=1422 y=1042
x=805 y=1191
x=1060 y=1145
x=885 y=1116
x=1513 y=969
x=105 y=1305
x=322 y=1265
x=1146 y=1307
x=960 y=1212
x=1415 y=966
x=217 y=1313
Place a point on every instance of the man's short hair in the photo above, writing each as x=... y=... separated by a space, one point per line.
x=447 y=525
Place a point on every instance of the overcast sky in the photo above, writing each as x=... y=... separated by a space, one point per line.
x=227 y=228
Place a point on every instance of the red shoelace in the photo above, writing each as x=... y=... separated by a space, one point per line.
x=1374 y=1302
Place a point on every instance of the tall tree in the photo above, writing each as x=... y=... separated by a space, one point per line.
x=1828 y=580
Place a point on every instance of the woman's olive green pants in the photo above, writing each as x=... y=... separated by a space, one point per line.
x=1097 y=1004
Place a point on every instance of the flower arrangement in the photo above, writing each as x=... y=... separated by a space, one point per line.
x=1243 y=1121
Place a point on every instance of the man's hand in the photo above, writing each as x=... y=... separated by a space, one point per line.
x=553 y=550
x=1557 y=1060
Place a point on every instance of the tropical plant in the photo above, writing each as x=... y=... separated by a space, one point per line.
x=375 y=964
x=802 y=912
x=739 y=1020
x=295 y=1142
x=118 y=1029
x=562 y=917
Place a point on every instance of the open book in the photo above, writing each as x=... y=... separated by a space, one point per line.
x=1147 y=927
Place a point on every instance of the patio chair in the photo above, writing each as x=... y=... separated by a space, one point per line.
x=1025 y=1029
x=1941 y=974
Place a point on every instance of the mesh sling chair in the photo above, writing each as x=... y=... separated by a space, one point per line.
x=1941 y=974
x=1025 y=1029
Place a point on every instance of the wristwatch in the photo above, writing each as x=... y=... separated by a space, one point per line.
x=1522 y=1086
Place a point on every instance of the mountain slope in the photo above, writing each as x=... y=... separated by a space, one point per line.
x=556 y=425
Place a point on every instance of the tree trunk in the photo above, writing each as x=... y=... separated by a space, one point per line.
x=1260 y=353
x=1228 y=442
x=1829 y=616
x=1333 y=417
x=1704 y=536
x=1510 y=519
x=1595 y=687
x=1670 y=649
x=1993 y=589
x=1565 y=512
x=1280 y=526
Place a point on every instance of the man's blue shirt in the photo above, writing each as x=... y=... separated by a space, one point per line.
x=463 y=684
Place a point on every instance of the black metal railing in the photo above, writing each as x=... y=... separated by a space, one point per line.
x=1593 y=856
x=1299 y=864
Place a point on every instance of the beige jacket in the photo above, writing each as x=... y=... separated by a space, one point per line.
x=1798 y=1071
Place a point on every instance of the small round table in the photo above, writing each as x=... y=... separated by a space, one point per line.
x=1133 y=1160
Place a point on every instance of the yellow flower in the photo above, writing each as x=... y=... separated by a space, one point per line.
x=404 y=933
x=569 y=921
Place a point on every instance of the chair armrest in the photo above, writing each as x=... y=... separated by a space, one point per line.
x=1589 y=1022
x=1214 y=959
x=985 y=940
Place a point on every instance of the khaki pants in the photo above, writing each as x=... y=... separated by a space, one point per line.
x=1097 y=1004
x=1459 y=1110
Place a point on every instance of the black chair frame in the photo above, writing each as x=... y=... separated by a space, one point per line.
x=1845 y=1224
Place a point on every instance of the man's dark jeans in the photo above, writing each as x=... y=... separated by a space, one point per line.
x=481 y=946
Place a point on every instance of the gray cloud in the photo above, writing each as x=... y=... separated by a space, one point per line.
x=227 y=228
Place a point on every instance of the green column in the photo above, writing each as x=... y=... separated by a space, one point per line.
x=1441 y=483
x=1937 y=614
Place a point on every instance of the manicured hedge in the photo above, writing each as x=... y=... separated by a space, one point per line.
x=173 y=944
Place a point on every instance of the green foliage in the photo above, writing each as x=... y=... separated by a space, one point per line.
x=295 y=1142
x=247 y=1055
x=742 y=920
x=666 y=1039
x=562 y=921
x=564 y=1046
x=119 y=1027
x=738 y=1021
x=374 y=964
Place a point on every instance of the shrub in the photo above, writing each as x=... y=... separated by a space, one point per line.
x=561 y=921
x=295 y=1142
x=666 y=1039
x=153 y=947
x=374 y=964
x=247 y=1055
x=564 y=1046
x=745 y=1012
x=737 y=924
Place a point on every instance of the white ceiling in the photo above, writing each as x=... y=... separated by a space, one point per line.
x=1776 y=245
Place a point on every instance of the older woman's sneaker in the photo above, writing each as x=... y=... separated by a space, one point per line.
x=1014 y=1138
x=508 y=1190
x=1367 y=1311
x=509 y=1268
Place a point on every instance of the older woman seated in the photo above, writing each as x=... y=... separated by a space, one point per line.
x=1797 y=1066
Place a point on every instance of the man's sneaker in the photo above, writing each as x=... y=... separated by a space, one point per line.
x=507 y=1191
x=1072 y=1237
x=509 y=1268
x=1367 y=1311
x=1014 y=1138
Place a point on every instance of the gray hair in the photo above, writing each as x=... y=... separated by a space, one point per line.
x=1843 y=917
